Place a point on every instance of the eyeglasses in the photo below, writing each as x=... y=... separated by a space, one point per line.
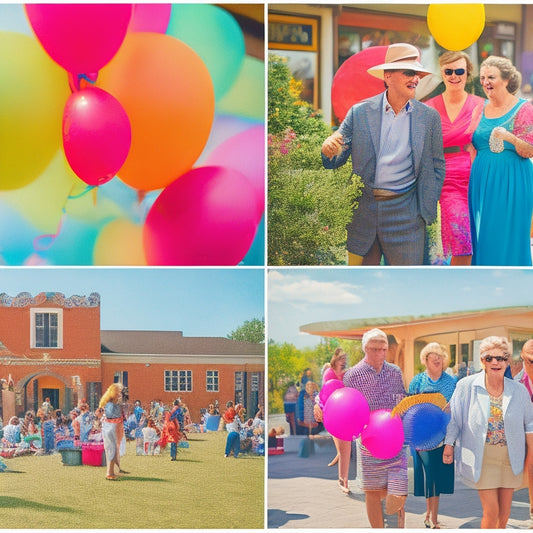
x=498 y=358
x=434 y=356
x=457 y=71
x=410 y=73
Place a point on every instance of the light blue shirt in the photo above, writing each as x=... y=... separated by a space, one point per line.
x=470 y=409
x=394 y=166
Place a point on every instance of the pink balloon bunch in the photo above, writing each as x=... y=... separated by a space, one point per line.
x=96 y=135
x=346 y=413
x=383 y=437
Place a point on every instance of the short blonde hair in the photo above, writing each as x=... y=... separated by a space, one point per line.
x=489 y=343
x=435 y=347
x=450 y=56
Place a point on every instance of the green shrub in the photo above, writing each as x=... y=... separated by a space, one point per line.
x=308 y=206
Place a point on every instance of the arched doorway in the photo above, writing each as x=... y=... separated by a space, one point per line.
x=32 y=390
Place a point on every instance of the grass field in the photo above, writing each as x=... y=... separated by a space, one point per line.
x=202 y=489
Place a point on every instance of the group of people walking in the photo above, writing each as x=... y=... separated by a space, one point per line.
x=470 y=154
x=488 y=441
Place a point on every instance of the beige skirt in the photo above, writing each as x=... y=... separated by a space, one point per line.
x=496 y=471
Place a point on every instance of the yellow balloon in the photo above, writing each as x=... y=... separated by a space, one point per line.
x=42 y=201
x=456 y=26
x=246 y=98
x=119 y=243
x=33 y=92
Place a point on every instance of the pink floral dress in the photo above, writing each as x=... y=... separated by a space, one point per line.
x=455 y=219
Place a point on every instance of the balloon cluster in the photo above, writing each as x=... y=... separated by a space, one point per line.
x=347 y=416
x=132 y=134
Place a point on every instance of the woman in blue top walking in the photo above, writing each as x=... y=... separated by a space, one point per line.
x=431 y=476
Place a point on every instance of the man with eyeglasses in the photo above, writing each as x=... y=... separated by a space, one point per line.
x=525 y=376
x=396 y=147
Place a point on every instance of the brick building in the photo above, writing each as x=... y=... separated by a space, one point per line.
x=52 y=346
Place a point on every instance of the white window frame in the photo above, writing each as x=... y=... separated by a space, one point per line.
x=188 y=377
x=212 y=380
x=33 y=336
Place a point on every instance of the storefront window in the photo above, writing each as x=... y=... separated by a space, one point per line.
x=296 y=39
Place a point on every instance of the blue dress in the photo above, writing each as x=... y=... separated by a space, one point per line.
x=500 y=197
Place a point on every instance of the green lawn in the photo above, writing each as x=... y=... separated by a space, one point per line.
x=202 y=489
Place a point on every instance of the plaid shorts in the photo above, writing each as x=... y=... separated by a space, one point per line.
x=379 y=474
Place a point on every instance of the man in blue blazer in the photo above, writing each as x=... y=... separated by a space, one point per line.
x=396 y=147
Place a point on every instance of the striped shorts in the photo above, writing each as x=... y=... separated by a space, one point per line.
x=379 y=474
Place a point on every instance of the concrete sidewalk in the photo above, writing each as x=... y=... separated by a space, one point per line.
x=303 y=492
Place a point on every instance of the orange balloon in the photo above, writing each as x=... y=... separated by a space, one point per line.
x=168 y=95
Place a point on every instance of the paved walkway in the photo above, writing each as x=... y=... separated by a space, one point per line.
x=303 y=493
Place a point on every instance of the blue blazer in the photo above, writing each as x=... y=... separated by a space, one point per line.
x=470 y=407
x=364 y=122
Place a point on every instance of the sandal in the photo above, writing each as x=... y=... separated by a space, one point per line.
x=111 y=478
x=344 y=489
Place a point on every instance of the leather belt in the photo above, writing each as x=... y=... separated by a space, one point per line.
x=381 y=195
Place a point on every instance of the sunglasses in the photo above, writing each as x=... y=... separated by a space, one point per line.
x=410 y=73
x=498 y=358
x=457 y=71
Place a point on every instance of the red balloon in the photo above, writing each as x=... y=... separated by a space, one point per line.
x=96 y=135
x=383 y=437
x=80 y=37
x=206 y=217
x=352 y=83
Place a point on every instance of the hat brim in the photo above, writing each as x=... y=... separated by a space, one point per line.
x=379 y=70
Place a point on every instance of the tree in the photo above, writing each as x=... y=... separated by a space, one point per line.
x=251 y=331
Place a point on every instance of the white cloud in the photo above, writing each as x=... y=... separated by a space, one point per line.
x=291 y=290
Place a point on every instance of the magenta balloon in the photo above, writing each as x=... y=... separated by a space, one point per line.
x=80 y=37
x=96 y=135
x=150 y=17
x=329 y=387
x=383 y=437
x=245 y=152
x=208 y=216
x=346 y=413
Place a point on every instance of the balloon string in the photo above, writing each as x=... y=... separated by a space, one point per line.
x=44 y=242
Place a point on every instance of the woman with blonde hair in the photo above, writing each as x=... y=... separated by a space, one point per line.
x=491 y=433
x=460 y=112
x=431 y=477
x=113 y=428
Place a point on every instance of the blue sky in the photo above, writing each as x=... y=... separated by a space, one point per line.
x=299 y=296
x=200 y=302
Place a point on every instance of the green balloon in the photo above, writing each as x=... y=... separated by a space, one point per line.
x=247 y=96
x=215 y=36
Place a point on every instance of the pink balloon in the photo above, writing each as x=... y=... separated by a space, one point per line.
x=329 y=387
x=245 y=152
x=346 y=412
x=383 y=437
x=80 y=37
x=208 y=216
x=352 y=83
x=96 y=135
x=150 y=17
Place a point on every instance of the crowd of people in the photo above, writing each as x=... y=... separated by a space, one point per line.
x=114 y=421
x=487 y=442
x=468 y=153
